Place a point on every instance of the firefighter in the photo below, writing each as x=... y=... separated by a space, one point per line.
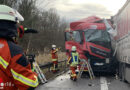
x=73 y=61
x=14 y=67
x=54 y=58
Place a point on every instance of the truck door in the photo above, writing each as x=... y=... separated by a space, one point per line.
x=73 y=38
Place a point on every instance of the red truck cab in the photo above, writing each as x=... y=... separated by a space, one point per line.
x=92 y=41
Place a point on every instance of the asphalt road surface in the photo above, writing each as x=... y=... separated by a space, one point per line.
x=63 y=82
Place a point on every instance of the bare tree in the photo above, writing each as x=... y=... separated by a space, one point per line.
x=48 y=23
x=12 y=3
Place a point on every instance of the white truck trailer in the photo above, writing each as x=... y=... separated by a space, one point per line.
x=121 y=42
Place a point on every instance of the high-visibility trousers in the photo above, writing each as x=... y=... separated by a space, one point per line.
x=55 y=66
x=73 y=73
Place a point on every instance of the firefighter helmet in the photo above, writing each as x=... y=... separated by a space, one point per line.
x=8 y=22
x=53 y=46
x=10 y=14
x=73 y=48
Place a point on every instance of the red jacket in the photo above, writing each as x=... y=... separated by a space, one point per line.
x=54 y=54
x=15 y=70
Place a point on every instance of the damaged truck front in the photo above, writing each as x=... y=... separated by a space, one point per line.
x=93 y=42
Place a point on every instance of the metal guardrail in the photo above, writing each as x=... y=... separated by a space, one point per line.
x=62 y=63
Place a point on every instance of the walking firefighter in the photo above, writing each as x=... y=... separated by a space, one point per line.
x=73 y=61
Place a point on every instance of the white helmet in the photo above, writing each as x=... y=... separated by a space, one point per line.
x=73 y=48
x=53 y=46
x=8 y=13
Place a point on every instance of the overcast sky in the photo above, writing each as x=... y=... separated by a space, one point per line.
x=78 y=9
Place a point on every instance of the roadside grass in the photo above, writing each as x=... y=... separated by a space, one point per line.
x=46 y=57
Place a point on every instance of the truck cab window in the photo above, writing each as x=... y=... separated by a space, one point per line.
x=76 y=36
x=68 y=36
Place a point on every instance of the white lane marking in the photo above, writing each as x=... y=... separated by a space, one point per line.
x=103 y=82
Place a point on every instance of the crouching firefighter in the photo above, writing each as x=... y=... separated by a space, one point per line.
x=54 y=58
x=14 y=67
x=73 y=61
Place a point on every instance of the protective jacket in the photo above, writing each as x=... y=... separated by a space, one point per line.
x=74 y=59
x=15 y=68
x=54 y=54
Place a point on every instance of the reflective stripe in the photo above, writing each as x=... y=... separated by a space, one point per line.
x=54 y=59
x=33 y=69
x=24 y=80
x=85 y=70
x=3 y=62
x=73 y=55
x=6 y=13
x=25 y=29
x=57 y=49
x=73 y=75
x=68 y=62
x=75 y=61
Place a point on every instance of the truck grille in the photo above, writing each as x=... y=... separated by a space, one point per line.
x=99 y=51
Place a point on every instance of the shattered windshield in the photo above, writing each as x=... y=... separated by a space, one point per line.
x=100 y=37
